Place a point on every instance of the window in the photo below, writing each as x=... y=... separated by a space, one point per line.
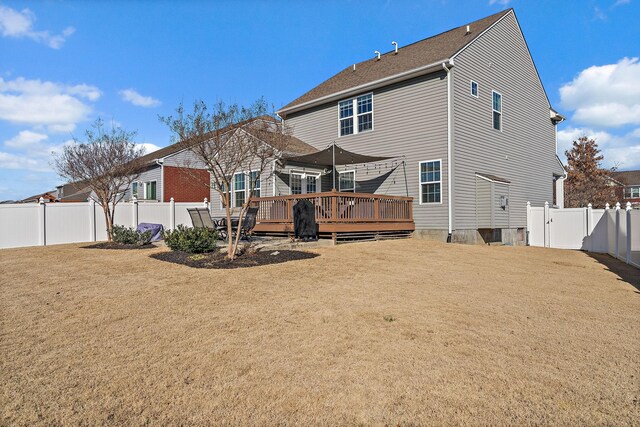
x=148 y=190
x=430 y=182
x=311 y=184
x=362 y=120
x=632 y=192
x=497 y=111
x=295 y=183
x=239 y=189
x=254 y=183
x=474 y=89
x=134 y=190
x=347 y=181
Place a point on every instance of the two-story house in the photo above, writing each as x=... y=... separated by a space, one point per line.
x=465 y=114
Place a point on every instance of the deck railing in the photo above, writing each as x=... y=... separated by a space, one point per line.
x=337 y=207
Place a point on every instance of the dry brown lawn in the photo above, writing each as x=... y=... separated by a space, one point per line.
x=387 y=333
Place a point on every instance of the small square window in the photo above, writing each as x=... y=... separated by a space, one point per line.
x=474 y=89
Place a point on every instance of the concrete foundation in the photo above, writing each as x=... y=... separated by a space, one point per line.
x=506 y=236
x=436 y=235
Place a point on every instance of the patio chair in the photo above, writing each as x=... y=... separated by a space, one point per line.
x=200 y=218
x=249 y=223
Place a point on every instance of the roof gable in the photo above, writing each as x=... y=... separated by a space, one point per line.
x=413 y=56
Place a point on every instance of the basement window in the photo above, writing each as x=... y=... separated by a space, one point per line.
x=356 y=115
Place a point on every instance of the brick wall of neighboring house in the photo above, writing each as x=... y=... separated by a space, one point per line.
x=185 y=185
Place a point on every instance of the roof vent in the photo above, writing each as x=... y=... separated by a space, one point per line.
x=468 y=29
x=396 y=45
x=377 y=53
x=354 y=67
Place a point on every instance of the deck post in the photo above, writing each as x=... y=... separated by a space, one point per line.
x=334 y=205
x=376 y=209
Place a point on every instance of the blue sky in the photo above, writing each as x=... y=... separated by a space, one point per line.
x=65 y=63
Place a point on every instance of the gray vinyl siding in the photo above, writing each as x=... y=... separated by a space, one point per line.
x=483 y=203
x=524 y=152
x=184 y=159
x=266 y=190
x=500 y=215
x=410 y=122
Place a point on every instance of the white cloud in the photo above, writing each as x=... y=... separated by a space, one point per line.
x=19 y=24
x=132 y=96
x=25 y=139
x=13 y=161
x=618 y=150
x=148 y=147
x=42 y=103
x=621 y=2
x=500 y=2
x=606 y=95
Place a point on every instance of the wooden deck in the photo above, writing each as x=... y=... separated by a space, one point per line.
x=337 y=212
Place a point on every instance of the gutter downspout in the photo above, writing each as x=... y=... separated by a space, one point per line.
x=449 y=162
x=161 y=163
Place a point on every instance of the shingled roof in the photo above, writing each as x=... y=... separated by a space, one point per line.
x=419 y=54
x=627 y=177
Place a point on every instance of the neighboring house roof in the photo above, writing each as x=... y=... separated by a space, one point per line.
x=627 y=177
x=294 y=145
x=149 y=159
x=48 y=197
x=79 y=196
x=434 y=49
x=493 y=178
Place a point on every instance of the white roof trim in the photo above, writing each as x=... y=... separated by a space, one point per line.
x=481 y=176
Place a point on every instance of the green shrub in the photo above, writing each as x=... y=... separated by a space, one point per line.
x=129 y=236
x=192 y=240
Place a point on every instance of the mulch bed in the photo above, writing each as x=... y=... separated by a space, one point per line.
x=112 y=245
x=217 y=260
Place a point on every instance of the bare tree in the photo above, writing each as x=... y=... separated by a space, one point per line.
x=228 y=140
x=107 y=162
x=587 y=181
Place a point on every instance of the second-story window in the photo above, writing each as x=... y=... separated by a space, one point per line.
x=474 y=89
x=497 y=110
x=356 y=114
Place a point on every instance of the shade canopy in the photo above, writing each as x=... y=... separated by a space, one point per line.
x=342 y=157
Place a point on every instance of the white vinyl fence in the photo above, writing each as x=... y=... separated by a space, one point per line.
x=39 y=224
x=613 y=231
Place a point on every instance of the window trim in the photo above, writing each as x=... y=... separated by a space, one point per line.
x=248 y=187
x=144 y=189
x=477 y=95
x=496 y=111
x=420 y=183
x=354 y=106
x=234 y=191
x=629 y=190
x=354 y=180
x=303 y=180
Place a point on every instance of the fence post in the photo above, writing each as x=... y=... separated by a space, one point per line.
x=617 y=228
x=528 y=223
x=42 y=222
x=134 y=207
x=172 y=214
x=547 y=226
x=92 y=220
x=628 y=209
